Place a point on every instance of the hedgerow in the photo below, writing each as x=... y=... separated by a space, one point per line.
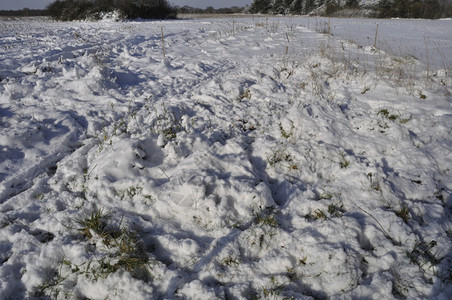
x=69 y=10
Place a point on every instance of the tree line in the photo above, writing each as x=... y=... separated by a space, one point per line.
x=58 y=15
x=209 y=10
x=26 y=12
x=429 y=9
x=68 y=10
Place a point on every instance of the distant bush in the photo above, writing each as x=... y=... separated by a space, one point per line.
x=68 y=10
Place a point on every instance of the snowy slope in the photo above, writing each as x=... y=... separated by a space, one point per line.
x=257 y=159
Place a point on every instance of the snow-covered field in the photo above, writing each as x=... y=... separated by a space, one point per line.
x=258 y=159
x=430 y=41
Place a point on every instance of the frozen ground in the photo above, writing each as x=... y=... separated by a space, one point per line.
x=258 y=159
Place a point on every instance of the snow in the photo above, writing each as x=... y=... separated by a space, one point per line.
x=254 y=158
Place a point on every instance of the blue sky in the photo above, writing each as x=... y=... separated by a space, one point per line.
x=40 y=4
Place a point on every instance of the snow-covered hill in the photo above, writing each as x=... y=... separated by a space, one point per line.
x=247 y=158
